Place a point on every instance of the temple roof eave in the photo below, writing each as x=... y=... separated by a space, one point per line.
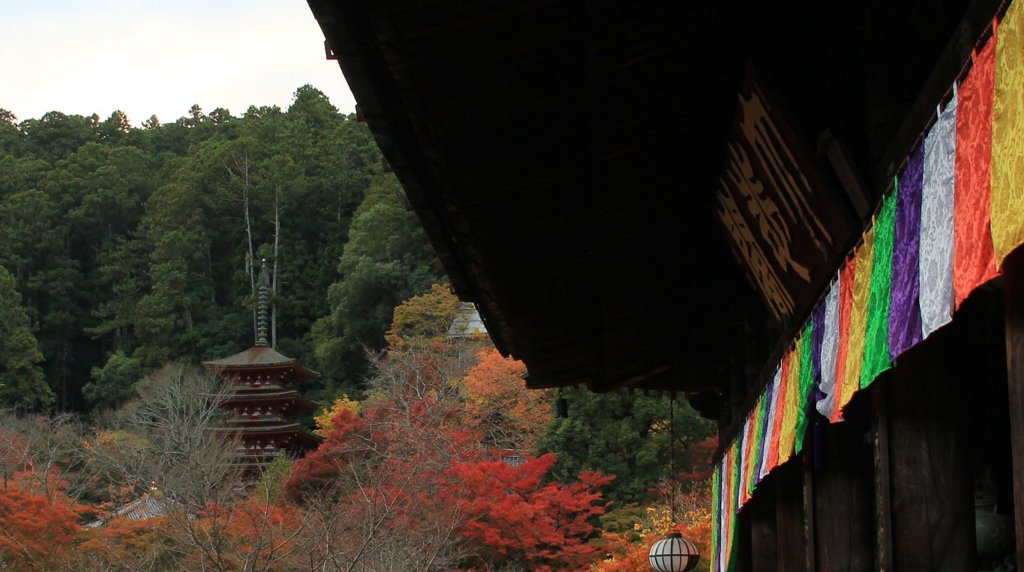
x=260 y=358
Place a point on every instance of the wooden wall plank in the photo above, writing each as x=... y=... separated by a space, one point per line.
x=843 y=514
x=810 y=548
x=789 y=518
x=930 y=458
x=763 y=535
x=883 y=496
x=1013 y=293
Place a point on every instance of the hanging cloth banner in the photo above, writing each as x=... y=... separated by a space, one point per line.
x=904 y=310
x=858 y=319
x=757 y=443
x=937 y=222
x=782 y=377
x=974 y=259
x=747 y=454
x=734 y=508
x=806 y=385
x=787 y=435
x=769 y=427
x=829 y=348
x=717 y=510
x=846 y=280
x=1007 y=133
x=817 y=340
x=876 y=337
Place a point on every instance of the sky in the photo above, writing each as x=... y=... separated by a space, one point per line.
x=159 y=57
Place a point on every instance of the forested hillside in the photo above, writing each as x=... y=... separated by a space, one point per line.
x=123 y=248
x=128 y=255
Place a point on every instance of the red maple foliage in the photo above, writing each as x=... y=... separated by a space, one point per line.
x=320 y=469
x=34 y=528
x=514 y=517
x=410 y=466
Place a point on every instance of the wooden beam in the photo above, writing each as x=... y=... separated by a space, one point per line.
x=1013 y=292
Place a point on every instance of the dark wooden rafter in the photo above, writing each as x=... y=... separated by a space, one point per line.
x=530 y=138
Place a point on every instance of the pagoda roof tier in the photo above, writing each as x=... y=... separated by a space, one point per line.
x=254 y=422
x=261 y=357
x=301 y=436
x=297 y=402
x=298 y=433
x=261 y=395
x=281 y=429
x=252 y=385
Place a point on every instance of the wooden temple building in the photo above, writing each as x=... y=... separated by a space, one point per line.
x=263 y=400
x=804 y=216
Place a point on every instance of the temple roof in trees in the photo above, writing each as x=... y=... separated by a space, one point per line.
x=467 y=321
x=143 y=508
x=260 y=409
x=261 y=357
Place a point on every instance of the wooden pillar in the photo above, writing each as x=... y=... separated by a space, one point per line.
x=883 y=495
x=742 y=556
x=763 y=536
x=844 y=535
x=789 y=518
x=807 y=508
x=1013 y=292
x=931 y=481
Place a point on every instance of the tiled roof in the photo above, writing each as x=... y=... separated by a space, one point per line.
x=467 y=321
x=143 y=508
x=260 y=357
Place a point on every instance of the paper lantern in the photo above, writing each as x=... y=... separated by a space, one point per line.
x=674 y=554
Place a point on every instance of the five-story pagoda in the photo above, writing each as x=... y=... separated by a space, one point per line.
x=263 y=401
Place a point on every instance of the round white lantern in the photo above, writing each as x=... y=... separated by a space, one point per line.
x=674 y=554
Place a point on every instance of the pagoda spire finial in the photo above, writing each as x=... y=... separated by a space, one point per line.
x=261 y=312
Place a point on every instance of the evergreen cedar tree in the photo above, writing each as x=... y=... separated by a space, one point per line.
x=21 y=376
x=134 y=240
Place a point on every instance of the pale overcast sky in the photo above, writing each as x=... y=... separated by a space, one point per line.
x=159 y=57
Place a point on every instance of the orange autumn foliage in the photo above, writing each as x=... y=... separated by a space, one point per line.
x=122 y=543
x=499 y=406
